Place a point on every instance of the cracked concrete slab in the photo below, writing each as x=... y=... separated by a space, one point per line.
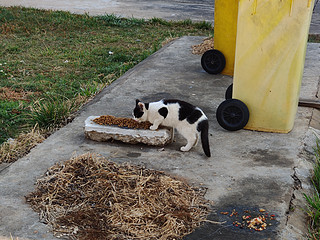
x=247 y=170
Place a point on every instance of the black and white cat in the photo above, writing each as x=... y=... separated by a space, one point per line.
x=190 y=121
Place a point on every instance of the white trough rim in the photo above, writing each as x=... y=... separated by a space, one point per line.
x=159 y=137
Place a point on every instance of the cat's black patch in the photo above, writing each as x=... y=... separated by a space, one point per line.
x=137 y=112
x=203 y=125
x=163 y=112
x=194 y=116
x=203 y=128
x=185 y=108
x=147 y=106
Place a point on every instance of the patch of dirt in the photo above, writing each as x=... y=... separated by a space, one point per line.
x=89 y=197
x=10 y=94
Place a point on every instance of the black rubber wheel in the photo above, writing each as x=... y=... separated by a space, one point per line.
x=213 y=61
x=228 y=94
x=232 y=114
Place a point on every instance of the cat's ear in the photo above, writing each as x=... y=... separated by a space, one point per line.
x=141 y=105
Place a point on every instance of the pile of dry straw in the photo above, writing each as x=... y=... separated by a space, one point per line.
x=89 y=197
x=14 y=149
x=201 y=48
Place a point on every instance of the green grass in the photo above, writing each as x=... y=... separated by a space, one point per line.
x=51 y=112
x=314 y=38
x=10 y=112
x=61 y=58
x=313 y=201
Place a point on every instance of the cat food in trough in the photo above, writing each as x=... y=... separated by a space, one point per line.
x=121 y=122
x=106 y=127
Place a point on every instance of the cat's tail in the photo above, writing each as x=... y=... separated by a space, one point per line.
x=203 y=128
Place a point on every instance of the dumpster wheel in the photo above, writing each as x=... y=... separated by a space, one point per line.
x=228 y=94
x=213 y=61
x=232 y=114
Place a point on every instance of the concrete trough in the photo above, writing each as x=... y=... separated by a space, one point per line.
x=103 y=133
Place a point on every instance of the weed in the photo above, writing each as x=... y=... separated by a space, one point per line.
x=186 y=22
x=10 y=119
x=204 y=25
x=115 y=21
x=88 y=90
x=160 y=21
x=314 y=38
x=313 y=201
x=51 y=112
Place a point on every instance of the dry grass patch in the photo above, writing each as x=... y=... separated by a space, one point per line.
x=89 y=197
x=201 y=48
x=10 y=94
x=14 y=149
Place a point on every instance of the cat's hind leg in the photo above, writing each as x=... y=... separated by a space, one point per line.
x=197 y=140
x=191 y=141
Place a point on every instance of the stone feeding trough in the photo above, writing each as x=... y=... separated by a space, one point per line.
x=96 y=129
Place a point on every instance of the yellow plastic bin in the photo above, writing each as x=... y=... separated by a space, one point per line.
x=270 y=52
x=221 y=58
x=225 y=31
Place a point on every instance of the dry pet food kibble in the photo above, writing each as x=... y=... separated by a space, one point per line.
x=121 y=122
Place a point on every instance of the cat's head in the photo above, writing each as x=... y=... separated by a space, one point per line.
x=140 y=111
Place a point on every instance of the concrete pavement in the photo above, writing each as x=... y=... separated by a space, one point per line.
x=247 y=170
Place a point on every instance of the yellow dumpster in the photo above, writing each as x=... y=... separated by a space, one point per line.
x=270 y=52
x=225 y=31
x=221 y=58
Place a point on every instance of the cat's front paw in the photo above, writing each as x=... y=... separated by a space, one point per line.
x=153 y=127
x=184 y=149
